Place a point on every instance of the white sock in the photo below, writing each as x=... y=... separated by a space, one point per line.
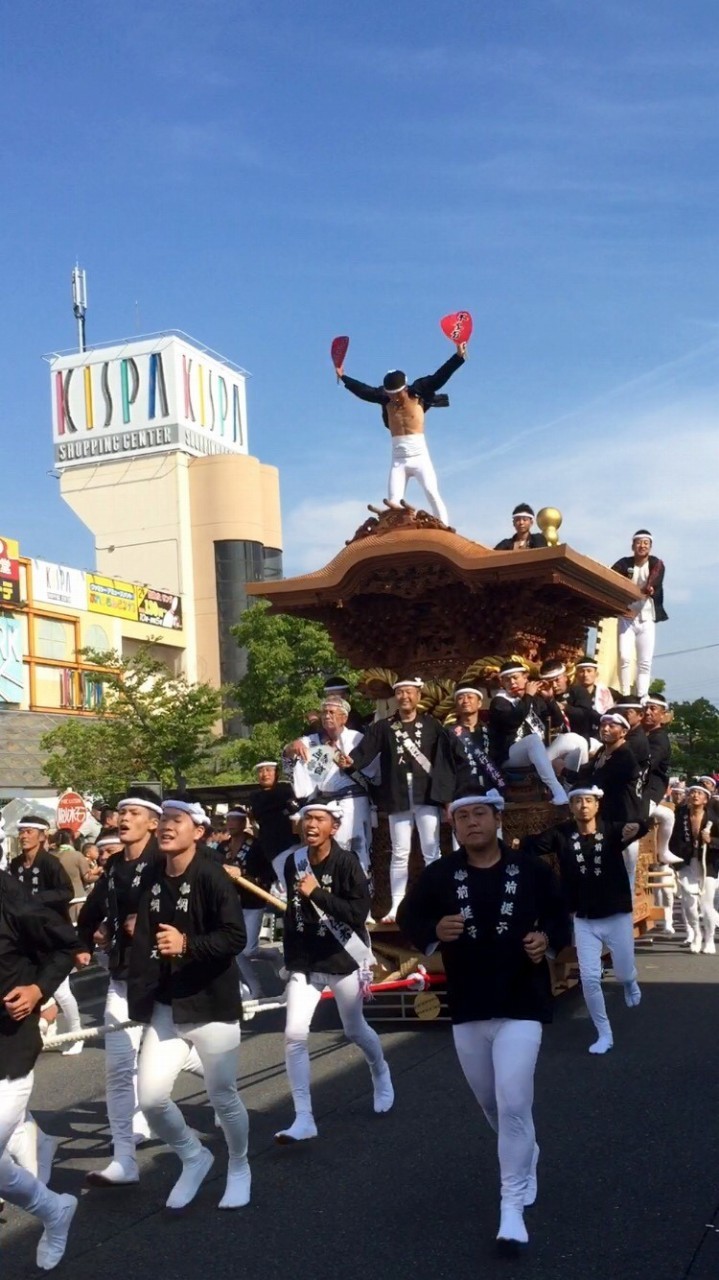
x=73 y=1049
x=383 y=1089
x=53 y=1240
x=530 y=1194
x=194 y=1172
x=120 y=1172
x=602 y=1045
x=632 y=993
x=303 y=1127
x=46 y=1148
x=511 y=1225
x=239 y=1183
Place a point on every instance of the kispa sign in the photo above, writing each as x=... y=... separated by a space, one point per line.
x=155 y=395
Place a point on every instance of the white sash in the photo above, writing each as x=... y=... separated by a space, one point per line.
x=411 y=747
x=341 y=932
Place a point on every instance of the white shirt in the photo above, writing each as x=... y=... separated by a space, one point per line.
x=333 y=780
x=643 y=610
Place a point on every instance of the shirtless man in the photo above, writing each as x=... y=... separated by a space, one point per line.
x=403 y=410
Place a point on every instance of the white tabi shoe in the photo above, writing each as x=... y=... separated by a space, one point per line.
x=239 y=1184
x=73 y=1049
x=53 y=1241
x=194 y=1172
x=303 y=1128
x=632 y=994
x=512 y=1231
x=709 y=948
x=383 y=1090
x=602 y=1045
x=695 y=945
x=119 y=1173
x=530 y=1194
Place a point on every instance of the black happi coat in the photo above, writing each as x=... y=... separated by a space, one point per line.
x=251 y=863
x=422 y=389
x=625 y=566
x=508 y=714
x=682 y=843
x=594 y=877
x=582 y=714
x=618 y=776
x=115 y=897
x=472 y=762
x=638 y=744
x=309 y=946
x=535 y=540
x=46 y=882
x=489 y=974
x=271 y=808
x=201 y=986
x=392 y=795
x=36 y=949
x=660 y=758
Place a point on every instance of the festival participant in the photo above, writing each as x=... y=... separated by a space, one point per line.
x=595 y=881
x=182 y=983
x=107 y=921
x=654 y=718
x=416 y=778
x=272 y=806
x=42 y=877
x=244 y=853
x=325 y=945
x=615 y=772
x=108 y=843
x=494 y=916
x=470 y=740
x=318 y=776
x=636 y=633
x=522 y=539
x=36 y=956
x=519 y=721
x=588 y=700
x=336 y=688
x=566 y=743
x=403 y=410
x=698 y=874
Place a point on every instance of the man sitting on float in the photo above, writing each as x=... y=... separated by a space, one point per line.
x=519 y=723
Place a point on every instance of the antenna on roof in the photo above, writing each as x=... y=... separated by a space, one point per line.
x=79 y=302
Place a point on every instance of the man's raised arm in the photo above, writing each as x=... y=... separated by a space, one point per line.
x=428 y=386
x=375 y=395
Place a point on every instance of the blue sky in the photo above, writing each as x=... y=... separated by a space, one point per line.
x=266 y=175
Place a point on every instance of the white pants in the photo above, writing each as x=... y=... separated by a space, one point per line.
x=694 y=895
x=570 y=747
x=666 y=896
x=664 y=819
x=166 y=1051
x=410 y=457
x=630 y=854
x=303 y=996
x=426 y=818
x=591 y=937
x=636 y=640
x=253 y=923
x=532 y=751
x=121 y=1050
x=17 y=1185
x=355 y=829
x=68 y=1005
x=498 y=1058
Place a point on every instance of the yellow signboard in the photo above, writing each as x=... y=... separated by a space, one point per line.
x=111 y=596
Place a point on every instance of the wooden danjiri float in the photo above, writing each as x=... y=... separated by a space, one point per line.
x=408 y=593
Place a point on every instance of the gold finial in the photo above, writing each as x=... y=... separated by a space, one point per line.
x=549 y=520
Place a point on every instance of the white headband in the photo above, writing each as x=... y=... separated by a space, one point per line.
x=695 y=787
x=143 y=804
x=333 y=809
x=614 y=718
x=343 y=705
x=491 y=798
x=195 y=810
x=529 y=514
x=585 y=791
x=236 y=813
x=513 y=671
x=649 y=701
x=466 y=688
x=104 y=841
x=416 y=682
x=266 y=764
x=33 y=826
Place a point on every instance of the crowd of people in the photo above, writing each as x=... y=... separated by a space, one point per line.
x=170 y=900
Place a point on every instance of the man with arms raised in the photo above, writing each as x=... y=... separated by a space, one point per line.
x=494 y=917
x=326 y=945
x=183 y=984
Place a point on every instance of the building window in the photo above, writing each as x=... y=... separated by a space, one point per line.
x=97 y=638
x=54 y=639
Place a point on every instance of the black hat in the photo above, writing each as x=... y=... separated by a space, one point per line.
x=551 y=668
x=394 y=381
x=523 y=509
x=335 y=684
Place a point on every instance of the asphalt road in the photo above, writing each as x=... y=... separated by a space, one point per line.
x=628 y=1181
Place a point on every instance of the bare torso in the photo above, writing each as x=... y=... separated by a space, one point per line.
x=405 y=416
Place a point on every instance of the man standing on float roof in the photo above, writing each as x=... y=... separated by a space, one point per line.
x=403 y=408
x=637 y=631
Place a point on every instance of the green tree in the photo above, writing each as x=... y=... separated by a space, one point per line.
x=150 y=724
x=288 y=660
x=694 y=731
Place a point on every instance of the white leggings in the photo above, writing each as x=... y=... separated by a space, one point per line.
x=165 y=1052
x=498 y=1058
x=532 y=751
x=591 y=937
x=664 y=819
x=253 y=924
x=694 y=895
x=426 y=818
x=410 y=457
x=572 y=748
x=636 y=638
x=121 y=1050
x=17 y=1185
x=68 y=1006
x=303 y=996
